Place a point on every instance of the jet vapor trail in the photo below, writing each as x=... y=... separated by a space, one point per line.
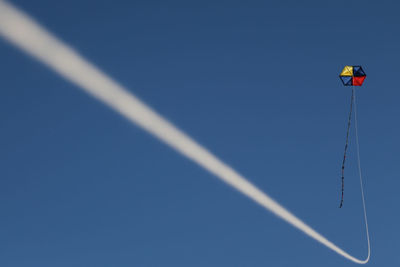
x=22 y=31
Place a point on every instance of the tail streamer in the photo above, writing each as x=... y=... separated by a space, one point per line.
x=347 y=143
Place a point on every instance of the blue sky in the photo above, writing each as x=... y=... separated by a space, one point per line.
x=256 y=82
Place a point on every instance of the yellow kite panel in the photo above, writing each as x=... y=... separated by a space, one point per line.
x=347 y=71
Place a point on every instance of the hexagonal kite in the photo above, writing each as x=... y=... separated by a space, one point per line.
x=352 y=76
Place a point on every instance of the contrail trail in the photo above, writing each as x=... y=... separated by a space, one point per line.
x=22 y=31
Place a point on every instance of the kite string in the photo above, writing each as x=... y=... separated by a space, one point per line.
x=347 y=143
x=360 y=174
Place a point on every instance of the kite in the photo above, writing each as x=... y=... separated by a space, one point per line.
x=350 y=76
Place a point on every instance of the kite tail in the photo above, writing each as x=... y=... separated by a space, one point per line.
x=347 y=143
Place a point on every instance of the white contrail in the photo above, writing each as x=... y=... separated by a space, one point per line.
x=22 y=31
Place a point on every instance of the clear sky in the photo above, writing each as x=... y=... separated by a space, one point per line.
x=256 y=82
